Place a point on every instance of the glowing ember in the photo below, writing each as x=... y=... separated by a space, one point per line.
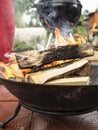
x=25 y=71
x=59 y=62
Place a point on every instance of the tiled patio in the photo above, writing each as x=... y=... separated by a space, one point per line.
x=8 y=104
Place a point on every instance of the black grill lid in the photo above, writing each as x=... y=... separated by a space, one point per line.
x=60 y=2
x=57 y=10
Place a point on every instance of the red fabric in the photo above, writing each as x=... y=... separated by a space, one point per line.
x=6 y=28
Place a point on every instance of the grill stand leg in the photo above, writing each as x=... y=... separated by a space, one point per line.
x=5 y=122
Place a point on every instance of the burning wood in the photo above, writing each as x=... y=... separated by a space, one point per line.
x=5 y=71
x=73 y=69
x=37 y=59
x=11 y=70
x=41 y=77
x=78 y=70
x=41 y=66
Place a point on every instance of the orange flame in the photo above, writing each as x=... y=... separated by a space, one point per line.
x=5 y=70
x=12 y=70
x=55 y=63
x=59 y=39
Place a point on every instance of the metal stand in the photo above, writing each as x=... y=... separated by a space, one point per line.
x=5 y=122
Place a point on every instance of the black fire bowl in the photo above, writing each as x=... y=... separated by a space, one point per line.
x=57 y=99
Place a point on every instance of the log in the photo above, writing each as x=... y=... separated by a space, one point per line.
x=70 y=81
x=81 y=72
x=41 y=77
x=39 y=58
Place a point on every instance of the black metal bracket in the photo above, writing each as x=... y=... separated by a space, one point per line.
x=6 y=121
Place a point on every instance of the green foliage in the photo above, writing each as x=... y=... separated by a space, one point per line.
x=96 y=8
x=18 y=22
x=86 y=12
x=81 y=20
x=22 y=7
x=79 y=29
x=20 y=45
x=35 y=40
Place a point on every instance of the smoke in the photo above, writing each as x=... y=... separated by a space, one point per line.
x=58 y=15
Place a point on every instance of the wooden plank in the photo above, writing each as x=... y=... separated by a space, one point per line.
x=94 y=30
x=43 y=76
x=95 y=57
x=70 y=81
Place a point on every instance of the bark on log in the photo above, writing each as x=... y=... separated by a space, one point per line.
x=40 y=58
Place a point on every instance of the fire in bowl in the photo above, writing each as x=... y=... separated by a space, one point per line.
x=58 y=80
x=57 y=99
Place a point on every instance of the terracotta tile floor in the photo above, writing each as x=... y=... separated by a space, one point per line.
x=8 y=104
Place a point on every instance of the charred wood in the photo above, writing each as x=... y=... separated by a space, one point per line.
x=39 y=58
